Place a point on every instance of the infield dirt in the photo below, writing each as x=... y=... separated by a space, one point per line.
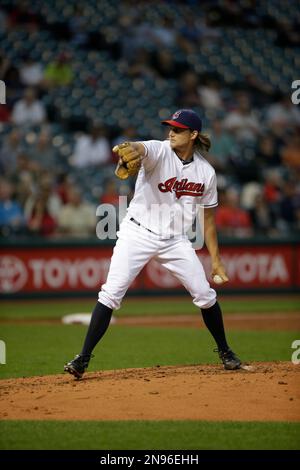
x=269 y=392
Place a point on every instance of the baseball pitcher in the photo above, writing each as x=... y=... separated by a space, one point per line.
x=173 y=181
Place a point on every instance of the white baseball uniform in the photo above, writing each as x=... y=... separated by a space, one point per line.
x=168 y=195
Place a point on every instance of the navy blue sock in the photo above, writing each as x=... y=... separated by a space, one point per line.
x=213 y=319
x=99 y=323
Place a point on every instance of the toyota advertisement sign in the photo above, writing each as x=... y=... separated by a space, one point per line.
x=81 y=269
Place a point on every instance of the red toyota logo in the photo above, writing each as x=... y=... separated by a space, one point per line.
x=13 y=274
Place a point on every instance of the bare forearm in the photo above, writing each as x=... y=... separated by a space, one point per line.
x=211 y=241
x=210 y=235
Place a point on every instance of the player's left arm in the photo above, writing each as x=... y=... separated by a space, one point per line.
x=211 y=242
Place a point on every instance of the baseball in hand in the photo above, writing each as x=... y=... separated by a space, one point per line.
x=217 y=279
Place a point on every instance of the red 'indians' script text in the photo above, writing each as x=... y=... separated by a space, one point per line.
x=182 y=187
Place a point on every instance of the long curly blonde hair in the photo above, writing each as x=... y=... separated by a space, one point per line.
x=203 y=142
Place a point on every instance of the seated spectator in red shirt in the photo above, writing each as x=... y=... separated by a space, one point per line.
x=42 y=209
x=41 y=222
x=111 y=193
x=64 y=183
x=231 y=219
x=273 y=186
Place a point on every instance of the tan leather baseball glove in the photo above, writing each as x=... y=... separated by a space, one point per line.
x=129 y=160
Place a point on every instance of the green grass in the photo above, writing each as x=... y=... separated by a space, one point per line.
x=132 y=435
x=153 y=306
x=34 y=349
x=43 y=349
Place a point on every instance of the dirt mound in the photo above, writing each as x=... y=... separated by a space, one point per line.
x=270 y=391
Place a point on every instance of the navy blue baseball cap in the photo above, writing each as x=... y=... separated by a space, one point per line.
x=186 y=119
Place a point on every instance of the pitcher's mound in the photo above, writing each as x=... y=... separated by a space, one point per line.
x=266 y=391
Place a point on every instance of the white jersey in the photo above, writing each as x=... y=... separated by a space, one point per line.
x=168 y=193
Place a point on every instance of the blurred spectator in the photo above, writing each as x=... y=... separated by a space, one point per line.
x=166 y=66
x=288 y=206
x=283 y=112
x=249 y=193
x=272 y=191
x=25 y=166
x=64 y=183
x=261 y=92
x=77 y=218
x=242 y=122
x=273 y=186
x=29 y=110
x=42 y=209
x=188 y=92
x=164 y=34
x=291 y=153
x=210 y=94
x=189 y=35
x=111 y=193
x=9 y=152
x=59 y=72
x=231 y=219
x=92 y=149
x=40 y=221
x=137 y=34
x=11 y=216
x=42 y=151
x=244 y=164
x=267 y=154
x=111 y=196
x=278 y=134
x=261 y=217
x=24 y=187
x=140 y=66
x=31 y=72
x=222 y=147
x=195 y=33
x=78 y=27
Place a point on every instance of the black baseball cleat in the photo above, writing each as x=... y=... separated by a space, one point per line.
x=78 y=366
x=229 y=359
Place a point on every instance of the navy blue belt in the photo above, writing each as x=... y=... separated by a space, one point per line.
x=140 y=225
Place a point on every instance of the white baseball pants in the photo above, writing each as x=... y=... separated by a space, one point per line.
x=135 y=247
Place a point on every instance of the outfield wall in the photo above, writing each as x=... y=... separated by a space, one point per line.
x=54 y=267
